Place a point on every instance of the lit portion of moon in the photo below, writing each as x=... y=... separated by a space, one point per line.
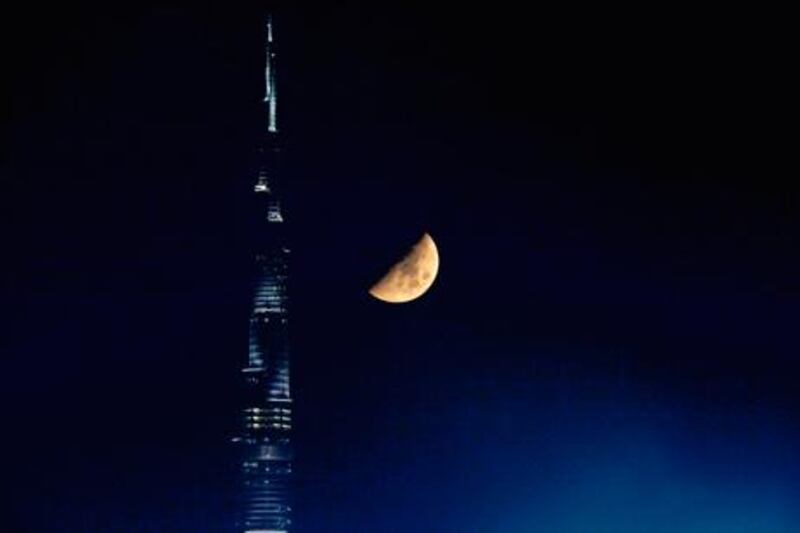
x=412 y=277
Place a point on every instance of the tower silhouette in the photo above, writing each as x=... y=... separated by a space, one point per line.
x=264 y=438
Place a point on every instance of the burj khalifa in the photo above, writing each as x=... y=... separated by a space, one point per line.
x=264 y=437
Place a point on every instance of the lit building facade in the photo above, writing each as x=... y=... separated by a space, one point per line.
x=264 y=439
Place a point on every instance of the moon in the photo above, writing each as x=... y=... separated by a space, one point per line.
x=410 y=278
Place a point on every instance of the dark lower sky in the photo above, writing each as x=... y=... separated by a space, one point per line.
x=611 y=345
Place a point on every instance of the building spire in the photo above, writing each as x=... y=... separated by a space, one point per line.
x=270 y=92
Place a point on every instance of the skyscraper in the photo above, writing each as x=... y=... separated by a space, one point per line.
x=264 y=439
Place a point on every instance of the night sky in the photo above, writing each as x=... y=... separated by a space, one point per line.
x=611 y=345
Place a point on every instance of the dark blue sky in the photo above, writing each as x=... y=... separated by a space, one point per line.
x=611 y=344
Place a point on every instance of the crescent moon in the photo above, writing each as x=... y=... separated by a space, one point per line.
x=410 y=278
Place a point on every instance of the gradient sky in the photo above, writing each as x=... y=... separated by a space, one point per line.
x=611 y=344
